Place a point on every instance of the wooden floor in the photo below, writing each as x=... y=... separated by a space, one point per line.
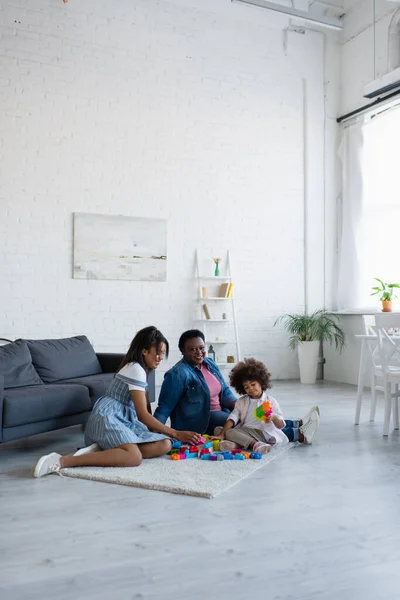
x=322 y=522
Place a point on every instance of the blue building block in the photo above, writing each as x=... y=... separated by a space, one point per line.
x=256 y=455
x=239 y=457
x=205 y=457
x=176 y=444
x=227 y=456
x=191 y=454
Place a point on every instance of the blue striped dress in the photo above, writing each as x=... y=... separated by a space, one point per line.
x=113 y=420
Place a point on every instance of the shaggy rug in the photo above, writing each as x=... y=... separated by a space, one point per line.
x=191 y=477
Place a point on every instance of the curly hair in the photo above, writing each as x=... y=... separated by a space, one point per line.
x=249 y=370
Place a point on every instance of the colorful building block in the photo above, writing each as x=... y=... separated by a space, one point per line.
x=205 y=457
x=191 y=454
x=256 y=455
x=239 y=457
x=176 y=444
x=215 y=444
x=208 y=445
x=227 y=456
x=264 y=411
x=203 y=439
x=246 y=455
x=220 y=456
x=213 y=457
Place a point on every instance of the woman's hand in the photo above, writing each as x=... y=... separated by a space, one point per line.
x=187 y=437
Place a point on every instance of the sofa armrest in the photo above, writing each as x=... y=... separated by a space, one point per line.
x=109 y=362
x=1 y=406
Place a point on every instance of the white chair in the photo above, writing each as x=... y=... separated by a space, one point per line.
x=386 y=366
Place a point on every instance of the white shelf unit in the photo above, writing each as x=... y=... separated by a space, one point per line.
x=210 y=327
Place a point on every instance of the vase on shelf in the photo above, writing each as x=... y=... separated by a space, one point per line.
x=216 y=271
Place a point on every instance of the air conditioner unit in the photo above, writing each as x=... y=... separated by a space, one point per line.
x=388 y=83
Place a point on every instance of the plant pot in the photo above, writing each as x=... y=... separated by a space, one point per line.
x=386 y=306
x=308 y=361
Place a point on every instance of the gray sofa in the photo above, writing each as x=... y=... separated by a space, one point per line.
x=50 y=384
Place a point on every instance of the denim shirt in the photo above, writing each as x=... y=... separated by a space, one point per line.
x=185 y=396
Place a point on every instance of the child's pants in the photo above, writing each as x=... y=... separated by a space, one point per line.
x=291 y=430
x=244 y=436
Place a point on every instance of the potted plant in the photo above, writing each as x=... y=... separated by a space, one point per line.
x=307 y=333
x=386 y=293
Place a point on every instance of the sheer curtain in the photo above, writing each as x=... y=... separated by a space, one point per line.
x=370 y=243
x=350 y=251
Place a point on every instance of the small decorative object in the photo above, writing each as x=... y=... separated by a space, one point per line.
x=224 y=316
x=264 y=411
x=204 y=292
x=211 y=353
x=307 y=333
x=217 y=261
x=230 y=359
x=386 y=293
x=206 y=312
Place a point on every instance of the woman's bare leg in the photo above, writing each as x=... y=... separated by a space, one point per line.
x=126 y=455
x=154 y=449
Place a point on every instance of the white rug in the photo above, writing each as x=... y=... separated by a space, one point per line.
x=191 y=477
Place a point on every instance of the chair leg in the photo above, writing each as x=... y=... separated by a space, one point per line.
x=373 y=398
x=388 y=406
x=396 y=406
x=360 y=387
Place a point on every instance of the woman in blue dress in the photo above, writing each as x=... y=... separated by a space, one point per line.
x=121 y=430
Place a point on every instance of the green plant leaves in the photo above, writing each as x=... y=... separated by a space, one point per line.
x=385 y=290
x=319 y=326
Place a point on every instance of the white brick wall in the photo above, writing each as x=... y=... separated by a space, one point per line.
x=187 y=110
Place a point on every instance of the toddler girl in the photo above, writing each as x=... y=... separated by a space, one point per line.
x=243 y=429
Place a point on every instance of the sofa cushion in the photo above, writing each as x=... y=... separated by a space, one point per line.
x=96 y=384
x=36 y=403
x=16 y=365
x=64 y=358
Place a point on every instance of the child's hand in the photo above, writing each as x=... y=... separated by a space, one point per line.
x=268 y=419
x=219 y=437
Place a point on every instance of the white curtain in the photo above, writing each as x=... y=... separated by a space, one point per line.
x=349 y=260
x=369 y=243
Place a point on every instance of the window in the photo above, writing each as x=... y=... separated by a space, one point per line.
x=370 y=240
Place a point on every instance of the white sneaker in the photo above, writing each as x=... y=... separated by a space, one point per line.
x=261 y=448
x=310 y=427
x=47 y=464
x=88 y=450
x=308 y=415
x=227 y=446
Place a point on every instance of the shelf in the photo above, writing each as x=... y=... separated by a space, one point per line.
x=214 y=298
x=212 y=277
x=216 y=320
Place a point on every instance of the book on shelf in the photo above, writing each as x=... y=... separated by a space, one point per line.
x=230 y=291
x=206 y=312
x=223 y=290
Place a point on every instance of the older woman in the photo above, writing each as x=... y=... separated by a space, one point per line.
x=194 y=393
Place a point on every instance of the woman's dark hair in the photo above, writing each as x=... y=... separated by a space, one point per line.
x=249 y=370
x=188 y=335
x=144 y=340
